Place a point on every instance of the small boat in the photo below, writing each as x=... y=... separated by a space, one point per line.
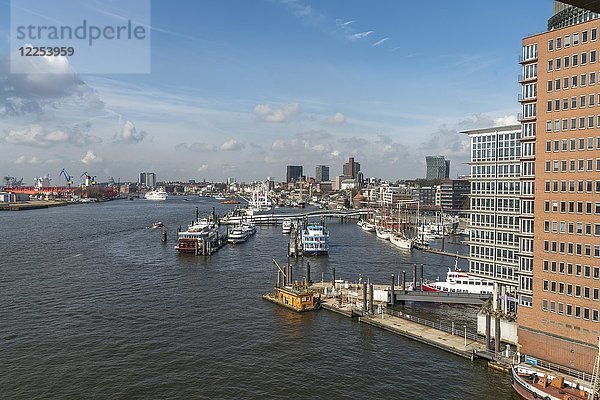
x=231 y=201
x=219 y=197
x=286 y=226
x=531 y=384
x=238 y=235
x=157 y=225
x=401 y=241
x=296 y=297
x=383 y=233
x=360 y=223
x=368 y=227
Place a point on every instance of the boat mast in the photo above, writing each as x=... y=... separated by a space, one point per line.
x=595 y=381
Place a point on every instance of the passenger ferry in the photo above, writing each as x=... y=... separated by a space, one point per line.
x=156 y=195
x=201 y=237
x=237 y=235
x=458 y=281
x=315 y=240
x=286 y=226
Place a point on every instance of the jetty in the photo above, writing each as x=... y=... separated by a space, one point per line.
x=31 y=205
x=276 y=219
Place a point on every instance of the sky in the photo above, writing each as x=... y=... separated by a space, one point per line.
x=241 y=88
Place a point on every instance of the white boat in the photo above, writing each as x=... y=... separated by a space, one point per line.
x=286 y=226
x=238 y=235
x=199 y=234
x=401 y=241
x=249 y=227
x=368 y=227
x=159 y=195
x=360 y=223
x=315 y=240
x=219 y=197
x=458 y=281
x=383 y=233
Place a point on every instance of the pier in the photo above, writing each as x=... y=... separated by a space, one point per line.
x=276 y=219
x=32 y=205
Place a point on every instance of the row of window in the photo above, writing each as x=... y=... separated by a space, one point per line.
x=492 y=270
x=573 y=144
x=578 y=37
x=502 y=171
x=569 y=289
x=578 y=249
x=574 y=81
x=572 y=228
x=553 y=166
x=571 y=311
x=566 y=124
x=572 y=61
x=582 y=186
x=572 y=207
x=562 y=268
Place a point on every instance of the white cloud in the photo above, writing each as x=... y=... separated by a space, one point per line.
x=360 y=35
x=232 y=145
x=337 y=119
x=129 y=134
x=27 y=160
x=37 y=136
x=270 y=114
x=203 y=168
x=506 y=120
x=380 y=42
x=196 y=147
x=90 y=158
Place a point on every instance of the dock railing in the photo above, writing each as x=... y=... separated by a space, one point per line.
x=453 y=329
x=562 y=369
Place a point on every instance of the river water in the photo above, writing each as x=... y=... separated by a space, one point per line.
x=93 y=305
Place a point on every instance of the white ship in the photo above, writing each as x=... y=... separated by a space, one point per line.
x=458 y=281
x=238 y=235
x=383 y=233
x=315 y=240
x=286 y=226
x=159 y=195
x=401 y=241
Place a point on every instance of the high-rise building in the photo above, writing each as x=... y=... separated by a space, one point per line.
x=351 y=168
x=294 y=173
x=494 y=208
x=322 y=173
x=437 y=168
x=148 y=179
x=560 y=322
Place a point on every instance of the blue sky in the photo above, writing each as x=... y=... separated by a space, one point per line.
x=243 y=88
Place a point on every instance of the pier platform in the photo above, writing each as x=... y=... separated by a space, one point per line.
x=31 y=205
x=455 y=342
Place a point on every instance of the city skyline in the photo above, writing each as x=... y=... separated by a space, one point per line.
x=226 y=98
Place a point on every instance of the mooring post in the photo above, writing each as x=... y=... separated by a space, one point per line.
x=392 y=293
x=488 y=331
x=364 y=295
x=291 y=271
x=371 y=297
x=164 y=235
x=414 y=282
x=497 y=335
x=333 y=278
x=308 y=281
x=404 y=281
x=421 y=278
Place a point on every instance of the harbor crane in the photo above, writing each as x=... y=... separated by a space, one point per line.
x=89 y=180
x=68 y=178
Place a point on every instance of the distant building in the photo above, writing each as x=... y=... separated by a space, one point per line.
x=438 y=168
x=453 y=194
x=231 y=180
x=148 y=179
x=426 y=195
x=294 y=173
x=351 y=168
x=322 y=173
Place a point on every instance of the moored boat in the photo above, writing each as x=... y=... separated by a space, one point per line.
x=315 y=240
x=532 y=384
x=369 y=227
x=401 y=241
x=201 y=237
x=286 y=226
x=458 y=281
x=237 y=235
x=383 y=233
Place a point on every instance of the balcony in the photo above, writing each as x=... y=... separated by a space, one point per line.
x=523 y=99
x=523 y=60
x=522 y=118
x=523 y=79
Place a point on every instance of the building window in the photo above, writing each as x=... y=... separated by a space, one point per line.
x=551 y=44
x=593 y=56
